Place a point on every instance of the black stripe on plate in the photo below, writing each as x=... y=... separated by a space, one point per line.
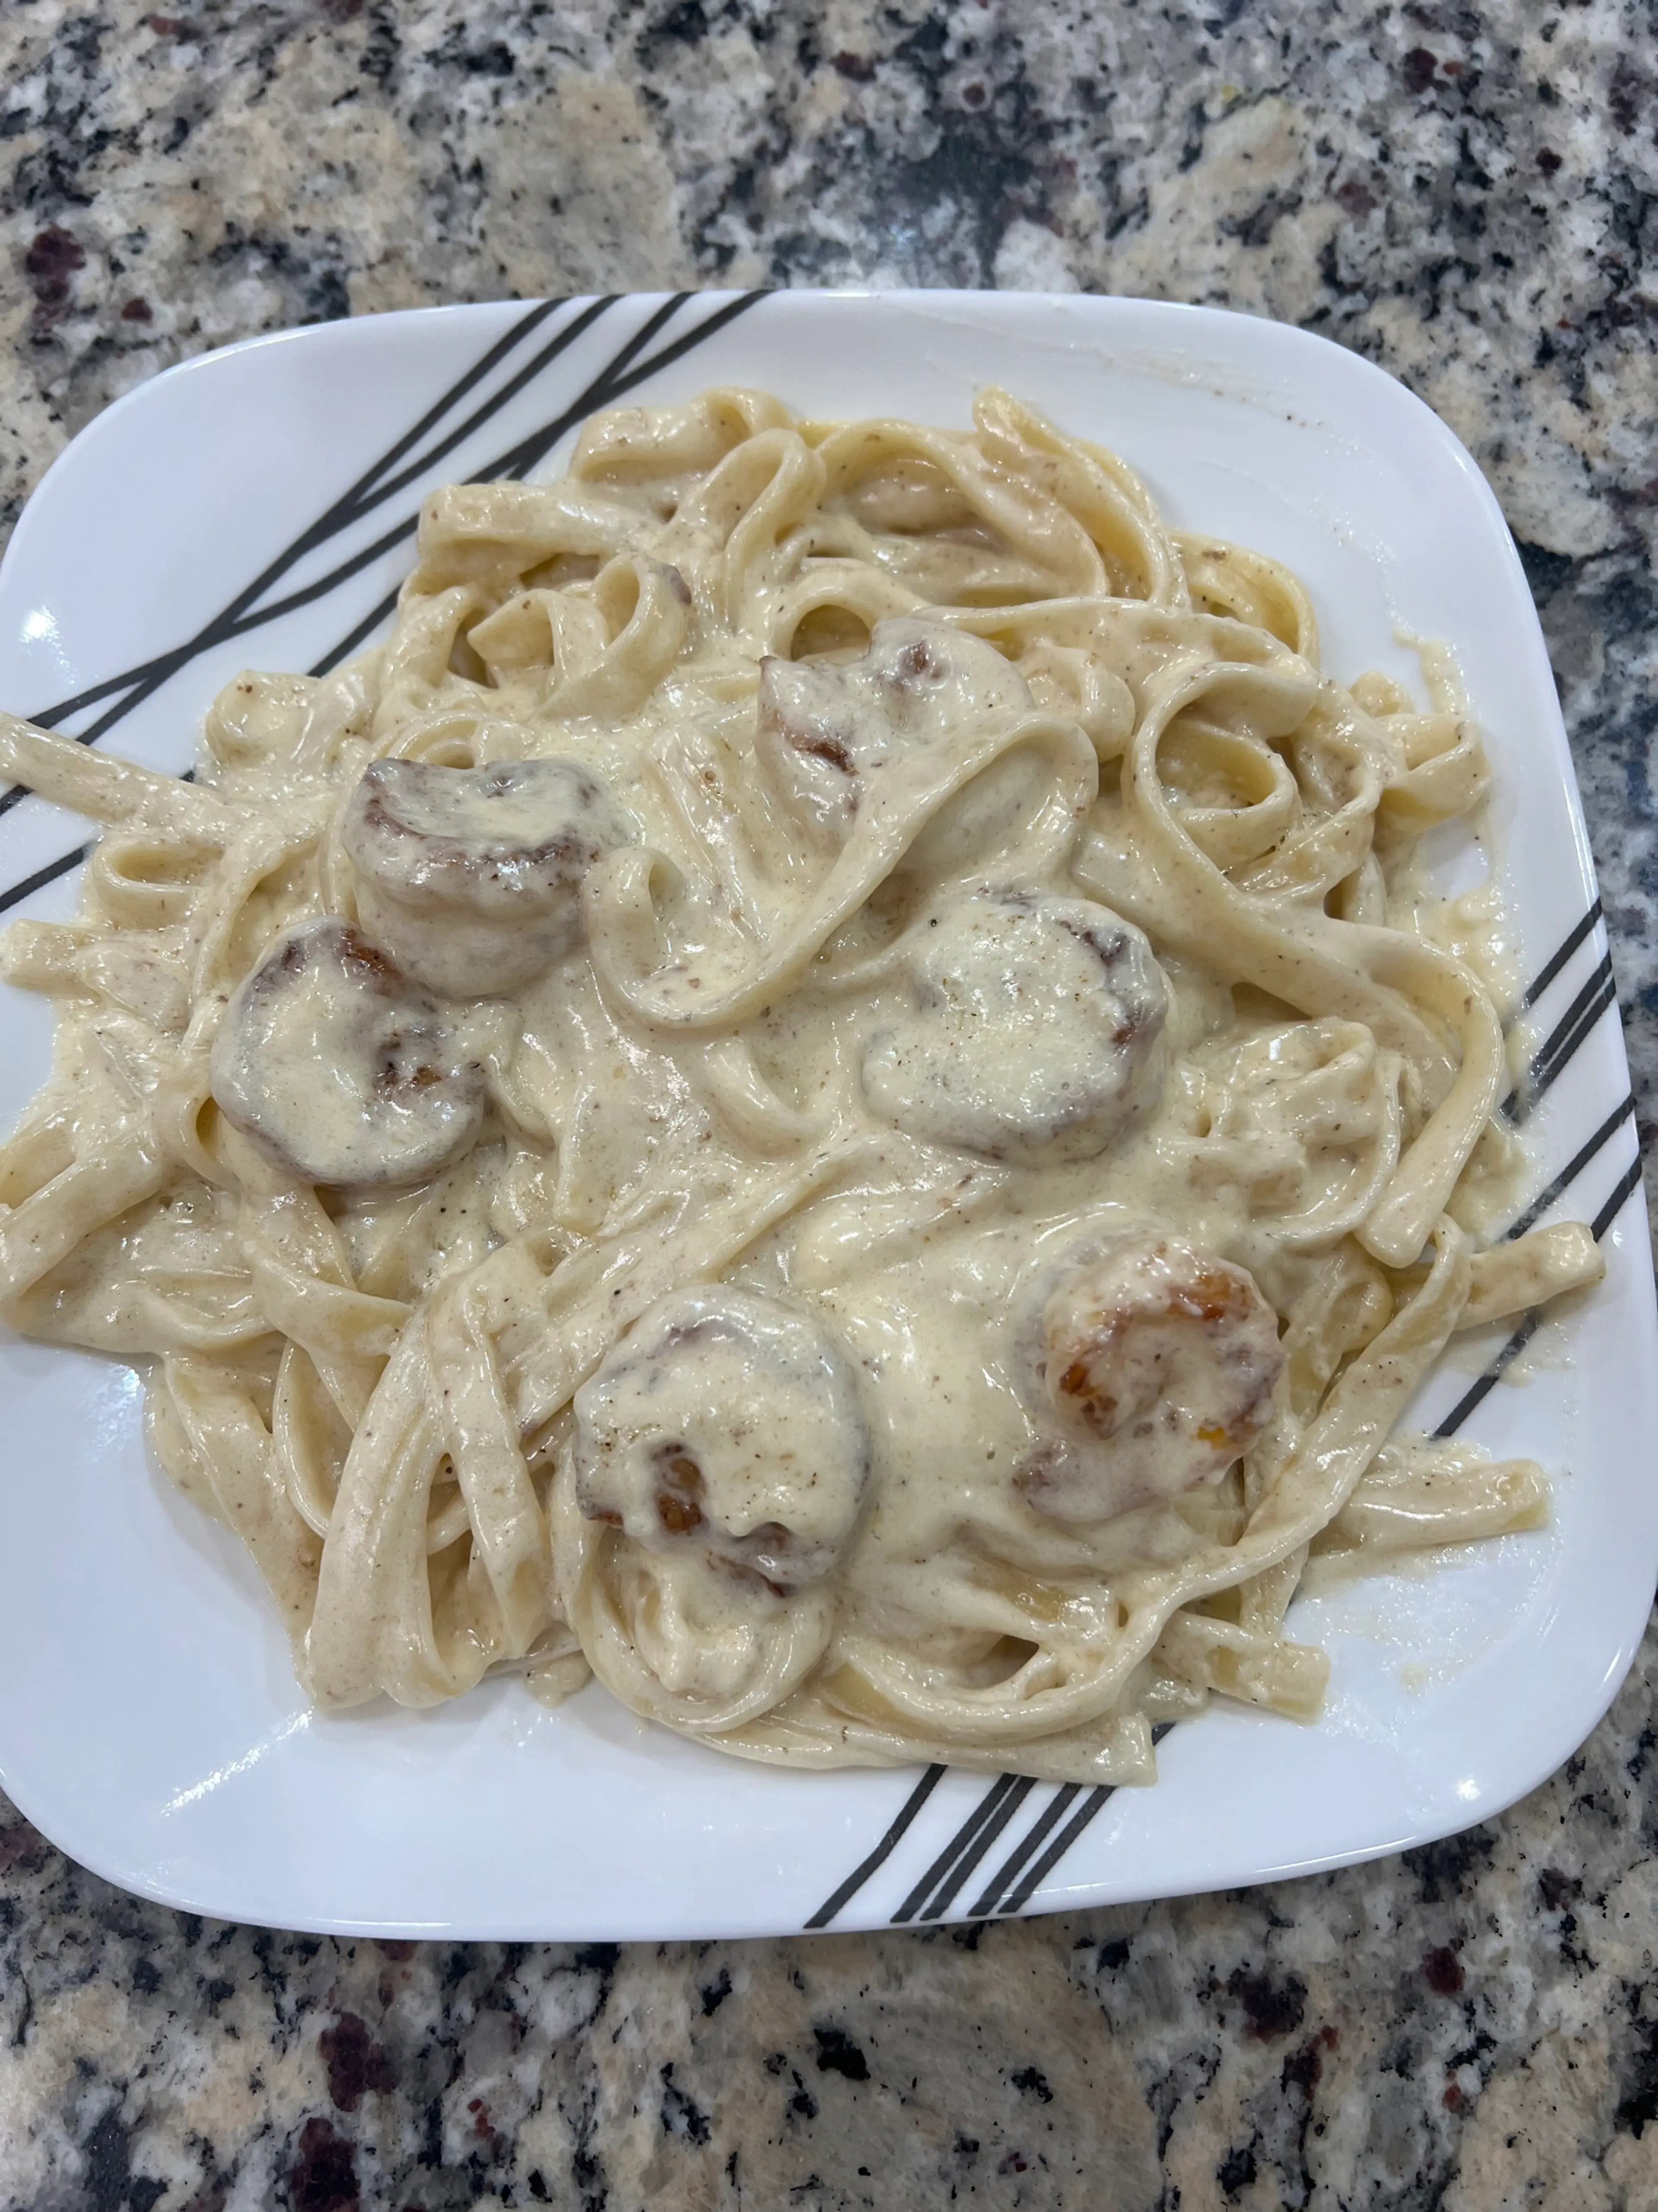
x=513 y=462
x=1023 y=1890
x=508 y=466
x=1629 y=1181
x=1035 y=1837
x=1570 y=1173
x=561 y=341
x=357 y=499
x=961 y=1841
x=232 y=621
x=944 y=1896
x=1560 y=1047
x=1551 y=968
x=1487 y=1381
x=1598 y=995
x=609 y=385
x=883 y=1852
x=519 y=459
x=41 y=878
x=354 y=565
x=1007 y=1890
x=1482 y=1387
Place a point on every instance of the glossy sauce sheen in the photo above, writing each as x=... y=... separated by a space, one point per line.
x=825 y=1088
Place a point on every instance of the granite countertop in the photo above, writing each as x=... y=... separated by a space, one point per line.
x=1463 y=193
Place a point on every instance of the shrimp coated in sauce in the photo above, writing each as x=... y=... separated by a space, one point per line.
x=826 y=727
x=472 y=878
x=1155 y=1363
x=727 y=1423
x=1034 y=1028
x=344 y=1071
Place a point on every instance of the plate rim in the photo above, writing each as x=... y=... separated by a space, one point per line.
x=1365 y=376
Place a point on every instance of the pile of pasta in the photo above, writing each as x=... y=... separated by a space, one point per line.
x=712 y=1116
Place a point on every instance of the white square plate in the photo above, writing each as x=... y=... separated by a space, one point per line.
x=256 y=507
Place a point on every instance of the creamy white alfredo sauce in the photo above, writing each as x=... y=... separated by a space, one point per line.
x=816 y=1090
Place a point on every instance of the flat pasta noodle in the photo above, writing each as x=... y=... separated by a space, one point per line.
x=822 y=1090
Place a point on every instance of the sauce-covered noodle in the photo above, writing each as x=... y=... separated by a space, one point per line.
x=822 y=1090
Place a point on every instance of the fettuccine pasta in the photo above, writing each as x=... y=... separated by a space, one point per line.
x=826 y=1090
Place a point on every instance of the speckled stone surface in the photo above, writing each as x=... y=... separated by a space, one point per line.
x=1468 y=195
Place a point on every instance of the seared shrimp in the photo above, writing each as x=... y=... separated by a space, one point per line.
x=341 y=1067
x=1033 y=1022
x=1155 y=1364
x=727 y=1422
x=472 y=878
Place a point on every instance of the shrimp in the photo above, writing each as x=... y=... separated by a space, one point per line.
x=1033 y=1030
x=1155 y=1369
x=824 y=728
x=344 y=1071
x=472 y=878
x=728 y=1423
